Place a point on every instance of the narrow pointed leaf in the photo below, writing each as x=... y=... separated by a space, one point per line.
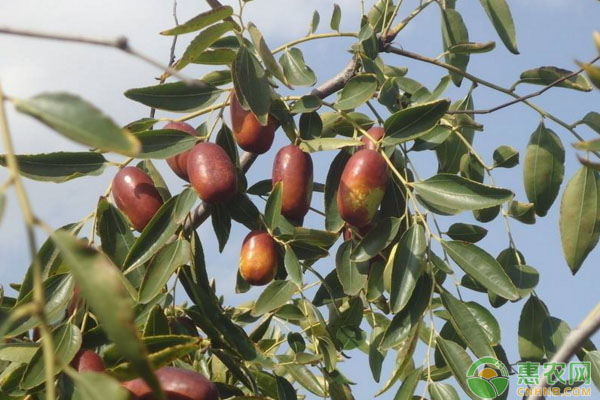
x=352 y=275
x=532 y=317
x=114 y=231
x=200 y=21
x=543 y=168
x=164 y=143
x=251 y=82
x=336 y=16
x=377 y=239
x=580 y=217
x=292 y=266
x=273 y=207
x=265 y=53
x=482 y=267
x=459 y=362
x=499 y=13
x=547 y=75
x=357 y=91
x=274 y=296
x=202 y=41
x=78 y=120
x=175 y=96
x=413 y=122
x=59 y=167
x=407 y=266
x=454 y=31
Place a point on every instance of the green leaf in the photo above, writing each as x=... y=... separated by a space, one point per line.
x=325 y=144
x=592 y=119
x=203 y=41
x=59 y=167
x=311 y=125
x=305 y=378
x=352 y=275
x=98 y=386
x=18 y=352
x=409 y=385
x=251 y=82
x=164 y=143
x=472 y=48
x=67 y=341
x=142 y=124
x=530 y=329
x=160 y=229
x=292 y=266
x=465 y=323
x=466 y=232
x=200 y=21
x=273 y=207
x=442 y=391
x=413 y=122
x=103 y=290
x=314 y=23
x=162 y=266
x=215 y=57
x=454 y=31
x=245 y=212
x=357 y=91
x=336 y=16
x=407 y=266
x=176 y=96
x=265 y=53
x=482 y=267
x=588 y=145
x=580 y=217
x=377 y=239
x=379 y=15
x=543 y=168
x=150 y=169
x=336 y=124
x=274 y=296
x=295 y=69
x=499 y=13
x=226 y=140
x=221 y=222
x=78 y=120
x=406 y=321
x=114 y=232
x=156 y=324
x=333 y=221
x=451 y=194
x=459 y=362
x=218 y=77
x=505 y=157
x=593 y=357
x=547 y=75
x=306 y=104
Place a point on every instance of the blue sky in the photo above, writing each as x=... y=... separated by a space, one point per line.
x=549 y=32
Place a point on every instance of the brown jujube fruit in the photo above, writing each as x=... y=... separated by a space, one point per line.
x=178 y=163
x=258 y=258
x=135 y=194
x=249 y=134
x=212 y=174
x=376 y=133
x=87 y=360
x=177 y=383
x=294 y=168
x=362 y=187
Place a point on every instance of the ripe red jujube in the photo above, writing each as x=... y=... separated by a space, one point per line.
x=376 y=133
x=212 y=174
x=294 y=168
x=258 y=258
x=362 y=187
x=249 y=134
x=177 y=383
x=178 y=163
x=87 y=360
x=135 y=194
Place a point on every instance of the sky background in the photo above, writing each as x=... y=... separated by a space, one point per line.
x=549 y=32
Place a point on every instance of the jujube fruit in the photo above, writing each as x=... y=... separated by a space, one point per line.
x=362 y=187
x=177 y=383
x=376 y=133
x=212 y=174
x=294 y=168
x=178 y=163
x=87 y=360
x=249 y=134
x=258 y=258
x=135 y=194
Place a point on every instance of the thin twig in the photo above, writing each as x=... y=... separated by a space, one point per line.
x=121 y=43
x=28 y=216
x=526 y=97
x=571 y=345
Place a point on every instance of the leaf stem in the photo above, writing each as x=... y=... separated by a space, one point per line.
x=313 y=37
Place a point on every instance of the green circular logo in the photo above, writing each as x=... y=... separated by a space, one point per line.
x=490 y=381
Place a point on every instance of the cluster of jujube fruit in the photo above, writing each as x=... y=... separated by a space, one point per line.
x=212 y=174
